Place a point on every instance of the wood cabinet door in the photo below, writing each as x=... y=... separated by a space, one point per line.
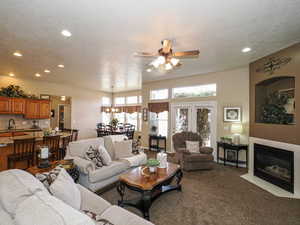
x=18 y=106
x=44 y=109
x=5 y=105
x=32 y=109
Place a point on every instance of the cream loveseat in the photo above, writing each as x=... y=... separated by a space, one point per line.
x=95 y=179
x=25 y=201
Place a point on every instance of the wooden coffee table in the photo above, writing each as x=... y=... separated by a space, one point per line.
x=151 y=186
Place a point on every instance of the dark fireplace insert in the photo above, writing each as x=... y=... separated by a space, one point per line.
x=275 y=166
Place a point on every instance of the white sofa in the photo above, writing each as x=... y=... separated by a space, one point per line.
x=95 y=179
x=25 y=201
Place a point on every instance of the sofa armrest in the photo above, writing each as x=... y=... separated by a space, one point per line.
x=206 y=150
x=92 y=202
x=84 y=166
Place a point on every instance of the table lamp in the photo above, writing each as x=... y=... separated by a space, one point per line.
x=236 y=129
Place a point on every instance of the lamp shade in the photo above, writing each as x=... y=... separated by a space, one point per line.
x=236 y=128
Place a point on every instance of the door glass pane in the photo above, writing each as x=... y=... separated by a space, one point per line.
x=181 y=120
x=203 y=125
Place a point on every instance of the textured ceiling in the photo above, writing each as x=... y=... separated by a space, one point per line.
x=107 y=33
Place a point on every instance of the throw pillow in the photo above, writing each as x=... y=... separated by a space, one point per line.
x=93 y=155
x=65 y=189
x=123 y=149
x=192 y=146
x=47 y=178
x=97 y=218
x=106 y=159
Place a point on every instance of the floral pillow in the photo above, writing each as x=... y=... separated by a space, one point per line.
x=93 y=155
x=97 y=218
x=47 y=178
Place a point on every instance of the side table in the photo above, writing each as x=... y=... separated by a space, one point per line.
x=69 y=167
x=237 y=148
x=157 y=139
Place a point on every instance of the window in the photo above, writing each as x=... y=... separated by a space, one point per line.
x=195 y=91
x=106 y=101
x=106 y=117
x=159 y=94
x=120 y=116
x=120 y=101
x=140 y=99
x=132 y=118
x=160 y=120
x=132 y=100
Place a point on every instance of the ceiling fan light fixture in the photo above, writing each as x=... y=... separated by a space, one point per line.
x=168 y=66
x=174 y=61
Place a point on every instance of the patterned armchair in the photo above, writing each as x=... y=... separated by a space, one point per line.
x=192 y=161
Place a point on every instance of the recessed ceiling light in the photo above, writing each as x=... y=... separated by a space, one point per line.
x=148 y=70
x=47 y=71
x=246 y=49
x=11 y=74
x=37 y=75
x=18 y=54
x=61 y=66
x=66 y=33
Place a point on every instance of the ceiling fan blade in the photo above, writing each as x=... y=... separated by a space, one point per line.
x=167 y=45
x=145 y=54
x=192 y=53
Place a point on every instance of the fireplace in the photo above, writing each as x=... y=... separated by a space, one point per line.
x=275 y=166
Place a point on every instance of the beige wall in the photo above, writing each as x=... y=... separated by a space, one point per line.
x=232 y=90
x=85 y=103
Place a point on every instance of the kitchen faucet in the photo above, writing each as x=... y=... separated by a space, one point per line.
x=13 y=126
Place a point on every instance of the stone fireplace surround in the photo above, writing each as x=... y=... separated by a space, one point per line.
x=275 y=190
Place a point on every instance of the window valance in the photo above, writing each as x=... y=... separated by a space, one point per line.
x=158 y=107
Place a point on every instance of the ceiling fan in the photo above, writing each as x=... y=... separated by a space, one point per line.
x=166 y=59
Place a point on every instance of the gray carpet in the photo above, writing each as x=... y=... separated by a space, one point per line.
x=218 y=197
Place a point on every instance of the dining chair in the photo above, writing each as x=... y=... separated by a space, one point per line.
x=52 y=142
x=24 y=150
x=63 y=149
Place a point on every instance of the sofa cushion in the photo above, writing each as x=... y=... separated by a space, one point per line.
x=197 y=157
x=66 y=190
x=106 y=159
x=120 y=216
x=123 y=149
x=115 y=168
x=93 y=155
x=91 y=201
x=15 y=186
x=42 y=209
x=5 y=218
x=109 y=143
x=192 y=146
x=78 y=148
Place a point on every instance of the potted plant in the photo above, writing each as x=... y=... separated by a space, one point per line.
x=152 y=164
x=114 y=122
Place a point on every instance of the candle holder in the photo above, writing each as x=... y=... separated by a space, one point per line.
x=44 y=158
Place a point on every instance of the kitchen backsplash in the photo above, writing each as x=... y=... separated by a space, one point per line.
x=22 y=123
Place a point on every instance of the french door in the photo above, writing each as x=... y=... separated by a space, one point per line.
x=199 y=117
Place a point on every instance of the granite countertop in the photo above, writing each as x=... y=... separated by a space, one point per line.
x=37 y=135
x=19 y=130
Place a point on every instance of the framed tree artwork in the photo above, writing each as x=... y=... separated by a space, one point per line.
x=232 y=114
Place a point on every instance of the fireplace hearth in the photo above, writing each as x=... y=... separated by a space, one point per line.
x=275 y=166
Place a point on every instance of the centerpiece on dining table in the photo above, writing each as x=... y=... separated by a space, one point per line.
x=114 y=123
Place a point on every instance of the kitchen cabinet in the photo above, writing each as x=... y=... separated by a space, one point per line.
x=44 y=109
x=32 y=109
x=37 y=109
x=5 y=105
x=18 y=106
